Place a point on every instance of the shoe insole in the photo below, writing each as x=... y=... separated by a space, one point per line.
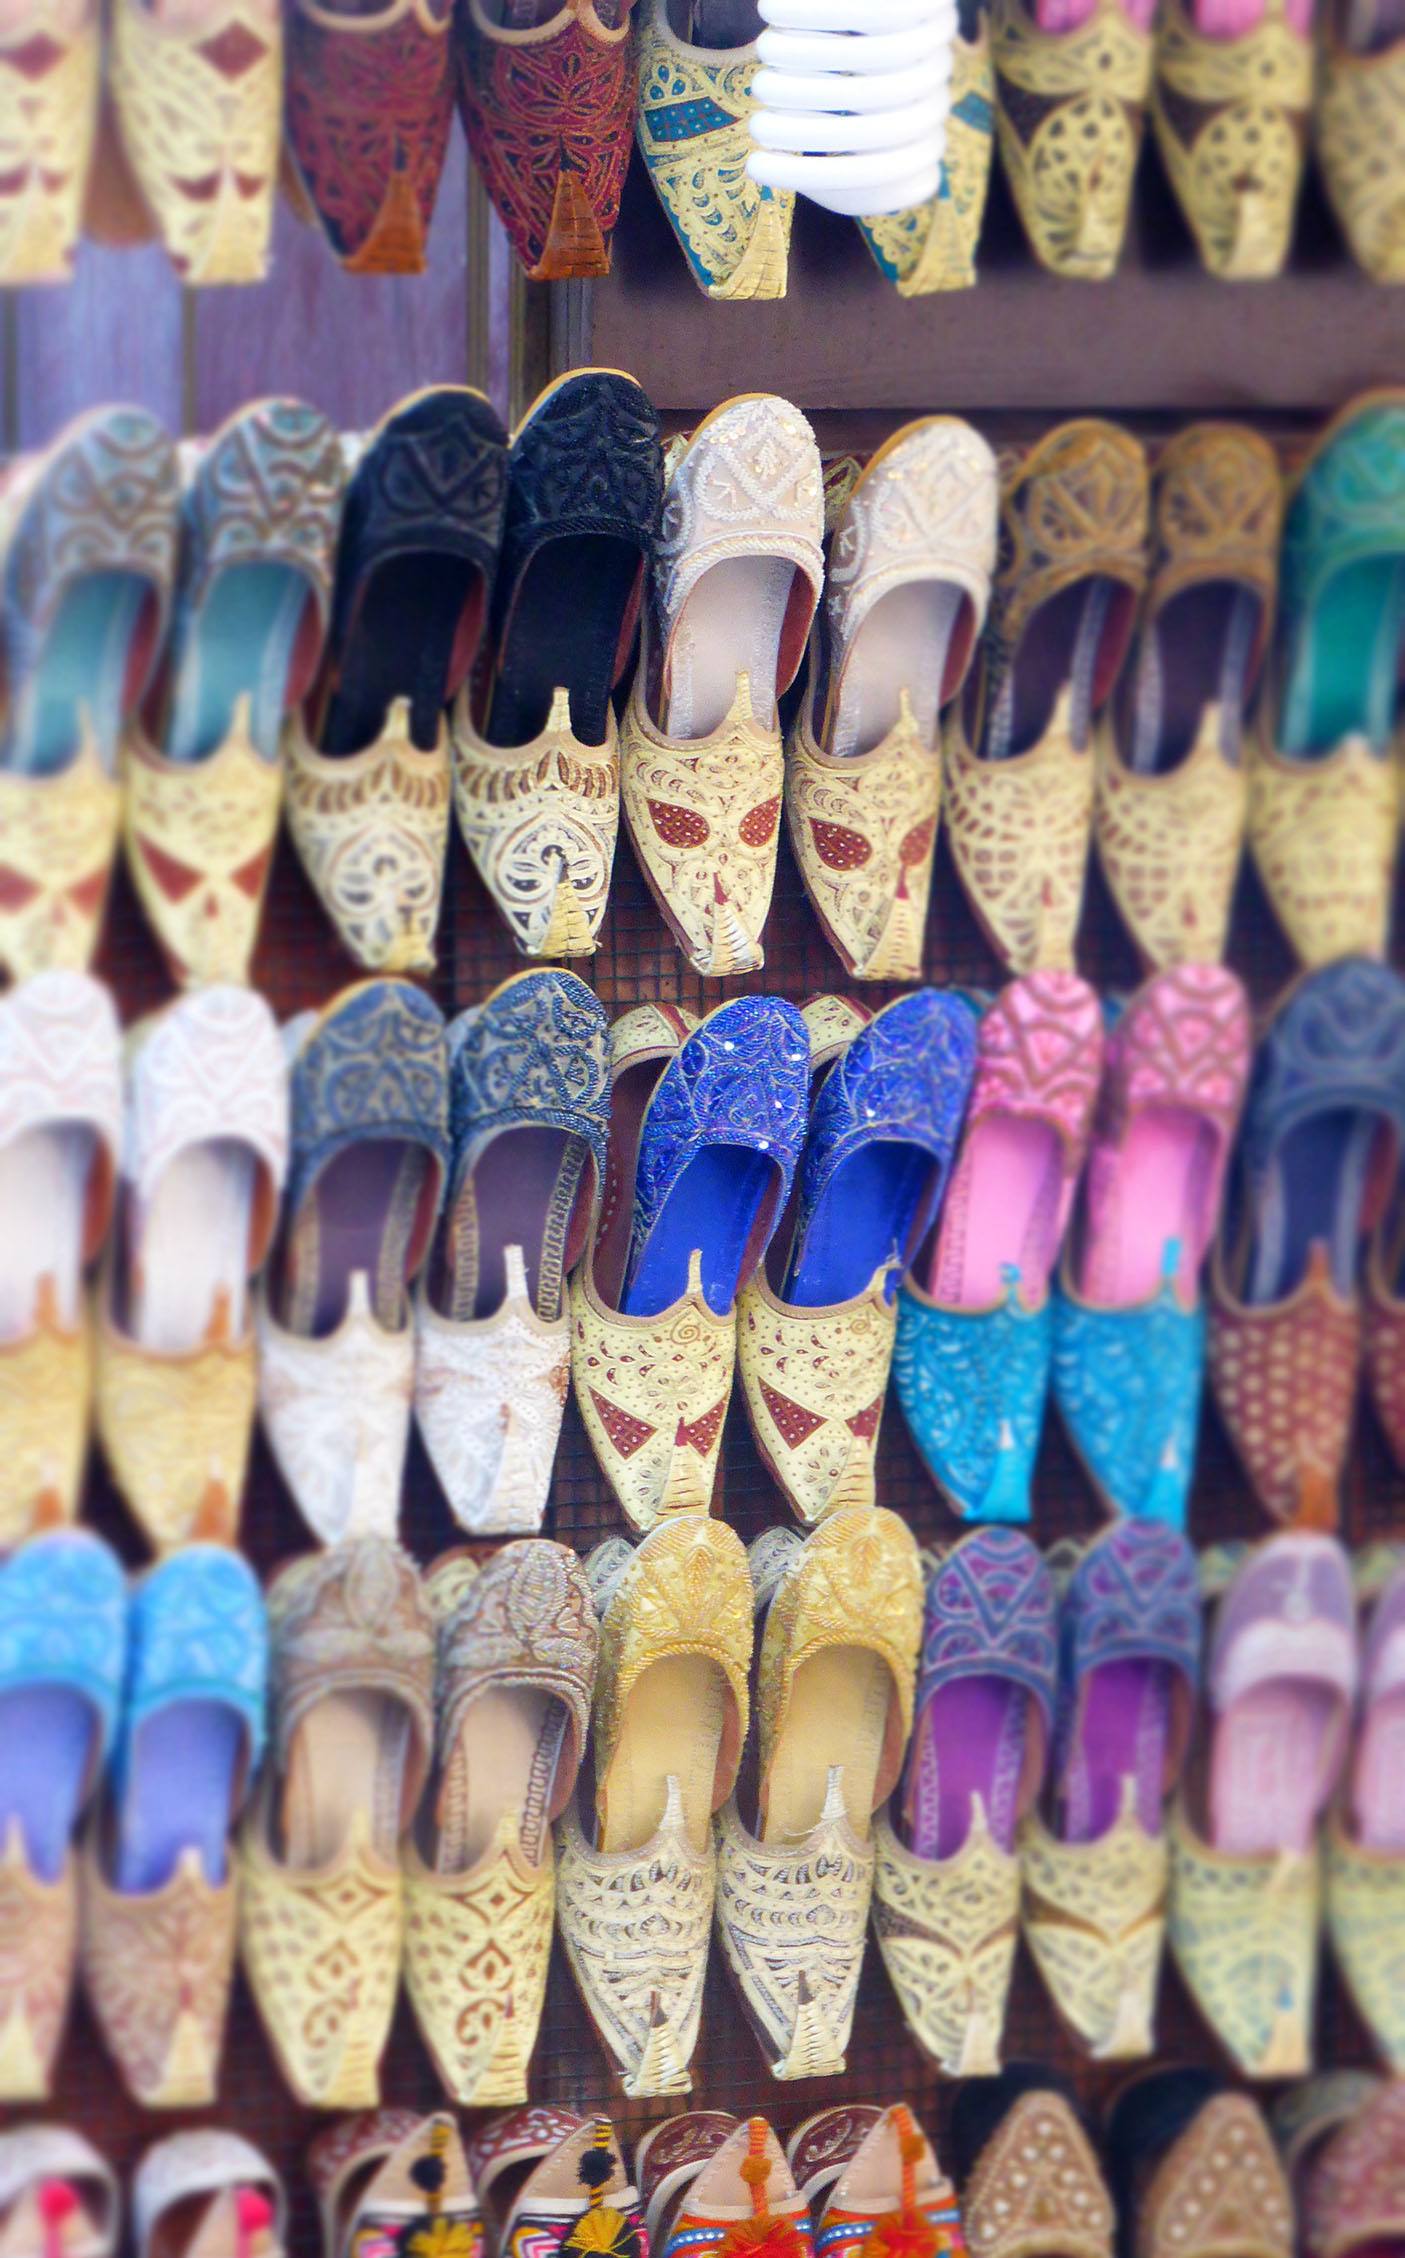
x=178 y=1795
x=1312 y=1196
x=1057 y=650
x=1198 y=653
x=46 y=1746
x=836 y=1721
x=563 y=632
x=400 y=644
x=239 y=644
x=361 y=1217
x=81 y=665
x=348 y=1756
x=671 y=1730
x=731 y=624
x=719 y=23
x=189 y=1276
x=1378 y=1787
x=1267 y=1768
x=711 y=1210
x=1001 y=1213
x=1148 y=1210
x=1343 y=665
x=43 y=1188
x=901 y=646
x=521 y=1192
x=970 y=1741
x=504 y=1761
x=1123 y=1733
x=865 y=1216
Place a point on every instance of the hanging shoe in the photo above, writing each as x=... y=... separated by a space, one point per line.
x=529 y=1106
x=910 y=559
x=203 y=785
x=392 y=2179
x=1195 y=2169
x=1246 y=1884
x=698 y=62
x=50 y=96
x=1031 y=2184
x=517 y=1647
x=1129 y=1316
x=1231 y=103
x=1323 y=790
x=946 y=1892
x=370 y=1155
x=671 y=1702
x=370 y=103
x=536 y=760
x=872 y=2179
x=738 y=571
x=1366 y=1836
x=929 y=247
x=1069 y=101
x=1359 y=121
x=1172 y=788
x=975 y=1321
x=207 y=2194
x=1354 y=2193
x=88 y=553
x=58 y=2197
x=1019 y=767
x=565 y=2192
x=834 y=1708
x=707 y=1123
x=1095 y=1880
x=816 y=1323
x=714 y=2185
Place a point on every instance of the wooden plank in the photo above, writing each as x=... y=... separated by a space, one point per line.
x=113 y=333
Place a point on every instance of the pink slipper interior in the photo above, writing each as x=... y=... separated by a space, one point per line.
x=1003 y=1210
x=1267 y=1766
x=1148 y=1208
x=971 y=1739
x=1378 y=1790
x=1123 y=1732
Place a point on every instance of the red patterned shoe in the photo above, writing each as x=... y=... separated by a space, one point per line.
x=369 y=105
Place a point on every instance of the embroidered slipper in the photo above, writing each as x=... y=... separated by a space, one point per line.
x=60 y=1134
x=207 y=2194
x=1196 y=2170
x=1031 y=2183
x=1322 y=1134
x=517 y=1645
x=838 y=1662
x=816 y=1323
x=58 y=2197
x=1231 y=109
x=353 y=1667
x=203 y=784
x=1069 y=111
x=1129 y=1317
x=947 y=1884
x=1383 y=1320
x=529 y=1102
x=536 y=760
x=671 y=1709
x=50 y=98
x=370 y=1154
x=576 y=2200
x=63 y=1636
x=88 y=555
x=872 y=2179
x=1172 y=791
x=1245 y=1872
x=1366 y=1835
x=738 y=571
x=1354 y=2196
x=394 y=2180
x=202 y=1167
x=1019 y=771
x=1095 y=1880
x=975 y=1321
x=1309 y=2112
x=923 y=248
x=1323 y=794
x=370 y=103
x=714 y=2186
x=911 y=553
x=1358 y=120
x=669 y=2159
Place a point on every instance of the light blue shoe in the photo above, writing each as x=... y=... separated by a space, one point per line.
x=972 y=1385
x=1128 y=1384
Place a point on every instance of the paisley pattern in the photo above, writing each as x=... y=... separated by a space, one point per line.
x=1128 y=1384
x=369 y=106
x=972 y=1385
x=695 y=108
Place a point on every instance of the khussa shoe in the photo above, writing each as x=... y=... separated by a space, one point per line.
x=202 y=1167
x=834 y=1707
x=517 y=1646
x=395 y=2182
x=928 y=247
x=1068 y=113
x=321 y=1901
x=1354 y=2187
x=1031 y=2186
x=716 y=2185
x=368 y=761
x=707 y=1124
x=370 y=1156
x=874 y=2183
x=536 y=757
x=50 y=93
x=1246 y=1887
x=816 y=1323
x=1323 y=788
x=60 y=1134
x=1323 y=1129
x=1195 y=2170
x=1359 y=136
x=1172 y=789
x=910 y=558
x=88 y=556
x=698 y=62
x=1231 y=112
x=1308 y=2113
x=1095 y=1881
x=1366 y=1836
x=738 y=571
x=975 y=1320
x=1129 y=1316
x=1019 y=767
x=207 y=2194
x=671 y=1702
x=946 y=1891
x=529 y=1106
x=203 y=784
x=63 y=1637
x=370 y=102
x=576 y=2199
x=58 y=2197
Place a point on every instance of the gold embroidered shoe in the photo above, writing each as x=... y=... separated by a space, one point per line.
x=1019 y=767
x=372 y=829
x=50 y=75
x=1068 y=111
x=834 y=1707
x=932 y=246
x=540 y=822
x=1171 y=786
x=393 y=2179
x=737 y=574
x=911 y=554
x=1360 y=133
x=1198 y=2169
x=1032 y=2184
x=1231 y=120
x=670 y=1718
x=1366 y=1839
x=517 y=1646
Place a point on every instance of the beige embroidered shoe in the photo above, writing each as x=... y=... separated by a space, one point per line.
x=57 y=2195
x=372 y=829
x=636 y=1895
x=1034 y=2189
x=50 y=85
x=392 y=2177
x=834 y=1708
x=1068 y=114
x=517 y=1645
x=737 y=574
x=1360 y=130
x=911 y=553
x=207 y=2194
x=1231 y=117
x=540 y=822
x=1200 y=2167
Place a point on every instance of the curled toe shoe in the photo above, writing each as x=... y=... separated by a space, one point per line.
x=1366 y=1838
x=1068 y=112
